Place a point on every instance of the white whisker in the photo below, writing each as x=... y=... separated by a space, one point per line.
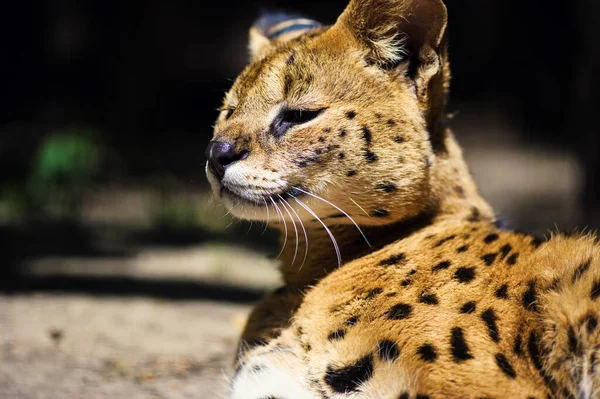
x=267 y=222
x=360 y=207
x=335 y=245
x=284 y=226
x=295 y=228
x=305 y=234
x=339 y=209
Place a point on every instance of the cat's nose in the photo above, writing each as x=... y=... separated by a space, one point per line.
x=221 y=155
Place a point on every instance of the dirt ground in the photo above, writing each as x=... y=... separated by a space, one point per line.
x=67 y=345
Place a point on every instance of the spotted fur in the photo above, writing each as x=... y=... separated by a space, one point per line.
x=339 y=133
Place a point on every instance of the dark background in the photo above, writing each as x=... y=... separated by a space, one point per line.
x=140 y=82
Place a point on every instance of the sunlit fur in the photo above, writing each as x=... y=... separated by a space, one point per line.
x=398 y=281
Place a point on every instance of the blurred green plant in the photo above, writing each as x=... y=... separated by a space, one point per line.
x=62 y=171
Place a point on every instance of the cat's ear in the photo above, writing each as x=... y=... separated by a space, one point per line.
x=395 y=30
x=273 y=28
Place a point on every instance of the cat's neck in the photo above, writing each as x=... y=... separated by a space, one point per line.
x=453 y=196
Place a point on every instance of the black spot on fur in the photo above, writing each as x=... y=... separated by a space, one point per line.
x=352 y=321
x=505 y=251
x=427 y=353
x=512 y=260
x=490 y=238
x=373 y=293
x=489 y=317
x=444 y=240
x=400 y=311
x=367 y=136
x=399 y=139
x=518 y=346
x=341 y=155
x=442 y=266
x=462 y=249
x=391 y=122
x=393 y=260
x=421 y=396
x=321 y=139
x=534 y=351
x=505 y=366
x=381 y=213
x=388 y=350
x=592 y=322
x=595 y=290
x=343 y=133
x=502 y=292
x=406 y=283
x=459 y=348
x=351 y=173
x=337 y=335
x=489 y=259
x=468 y=307
x=370 y=156
x=574 y=346
x=475 y=215
x=302 y=164
x=429 y=299
x=350 y=114
x=465 y=274
x=404 y=395
x=581 y=269
x=349 y=378
x=387 y=187
x=530 y=297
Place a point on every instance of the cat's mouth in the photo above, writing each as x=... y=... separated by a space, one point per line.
x=240 y=196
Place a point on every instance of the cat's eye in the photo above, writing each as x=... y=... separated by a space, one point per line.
x=292 y=117
x=228 y=111
x=299 y=116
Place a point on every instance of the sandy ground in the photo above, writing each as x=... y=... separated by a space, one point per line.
x=57 y=347
x=73 y=346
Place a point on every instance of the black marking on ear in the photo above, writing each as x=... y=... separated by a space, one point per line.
x=441 y=266
x=581 y=269
x=351 y=173
x=370 y=156
x=367 y=136
x=388 y=350
x=459 y=348
x=468 y=308
x=386 y=187
x=427 y=353
x=505 y=366
x=400 y=311
x=348 y=379
x=337 y=335
x=489 y=259
x=490 y=238
x=530 y=297
x=350 y=115
x=380 y=213
x=489 y=317
x=465 y=274
x=393 y=260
